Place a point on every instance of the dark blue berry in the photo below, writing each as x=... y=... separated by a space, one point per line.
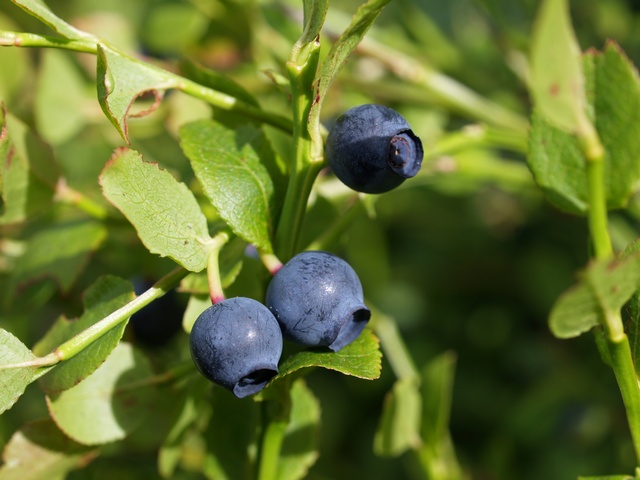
x=157 y=323
x=317 y=299
x=237 y=344
x=372 y=149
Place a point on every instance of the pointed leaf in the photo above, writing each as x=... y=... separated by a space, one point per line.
x=437 y=394
x=27 y=170
x=122 y=79
x=230 y=436
x=13 y=381
x=575 y=312
x=300 y=446
x=399 y=427
x=164 y=212
x=42 y=12
x=605 y=286
x=341 y=49
x=557 y=81
x=555 y=156
x=110 y=403
x=105 y=296
x=238 y=172
x=361 y=358
x=40 y=451
x=60 y=252
x=60 y=112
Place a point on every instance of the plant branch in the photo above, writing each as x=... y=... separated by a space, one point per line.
x=85 y=338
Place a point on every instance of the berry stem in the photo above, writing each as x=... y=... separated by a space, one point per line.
x=216 y=292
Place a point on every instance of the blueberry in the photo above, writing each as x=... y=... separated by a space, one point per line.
x=317 y=299
x=237 y=344
x=372 y=149
x=157 y=323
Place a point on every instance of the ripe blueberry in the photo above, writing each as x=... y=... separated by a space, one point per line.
x=372 y=149
x=237 y=344
x=317 y=299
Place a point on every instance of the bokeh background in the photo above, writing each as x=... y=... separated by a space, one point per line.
x=468 y=257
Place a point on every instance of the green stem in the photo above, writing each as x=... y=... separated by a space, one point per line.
x=598 y=210
x=216 y=291
x=618 y=343
x=68 y=195
x=85 y=338
x=306 y=162
x=227 y=102
x=270 y=449
x=625 y=372
x=395 y=350
x=213 y=97
x=447 y=90
x=22 y=39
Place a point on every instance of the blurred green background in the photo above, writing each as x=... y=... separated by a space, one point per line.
x=468 y=257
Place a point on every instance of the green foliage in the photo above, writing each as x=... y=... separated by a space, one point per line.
x=165 y=213
x=229 y=104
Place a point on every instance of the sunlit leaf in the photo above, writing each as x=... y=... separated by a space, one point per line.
x=164 y=212
x=399 y=427
x=105 y=296
x=110 y=403
x=557 y=80
x=122 y=79
x=361 y=358
x=13 y=381
x=40 y=451
x=555 y=156
x=27 y=169
x=40 y=10
x=60 y=252
x=300 y=445
x=238 y=172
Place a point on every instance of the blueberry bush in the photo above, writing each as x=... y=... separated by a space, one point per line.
x=189 y=290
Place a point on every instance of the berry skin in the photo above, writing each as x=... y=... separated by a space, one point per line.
x=317 y=299
x=372 y=149
x=237 y=344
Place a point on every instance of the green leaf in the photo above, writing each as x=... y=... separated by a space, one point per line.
x=60 y=112
x=575 y=312
x=300 y=445
x=191 y=407
x=340 y=51
x=42 y=12
x=238 y=172
x=230 y=437
x=40 y=451
x=399 y=427
x=28 y=172
x=605 y=286
x=105 y=296
x=230 y=264
x=437 y=394
x=195 y=306
x=13 y=381
x=60 y=252
x=555 y=156
x=109 y=404
x=557 y=81
x=164 y=212
x=361 y=358
x=122 y=79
